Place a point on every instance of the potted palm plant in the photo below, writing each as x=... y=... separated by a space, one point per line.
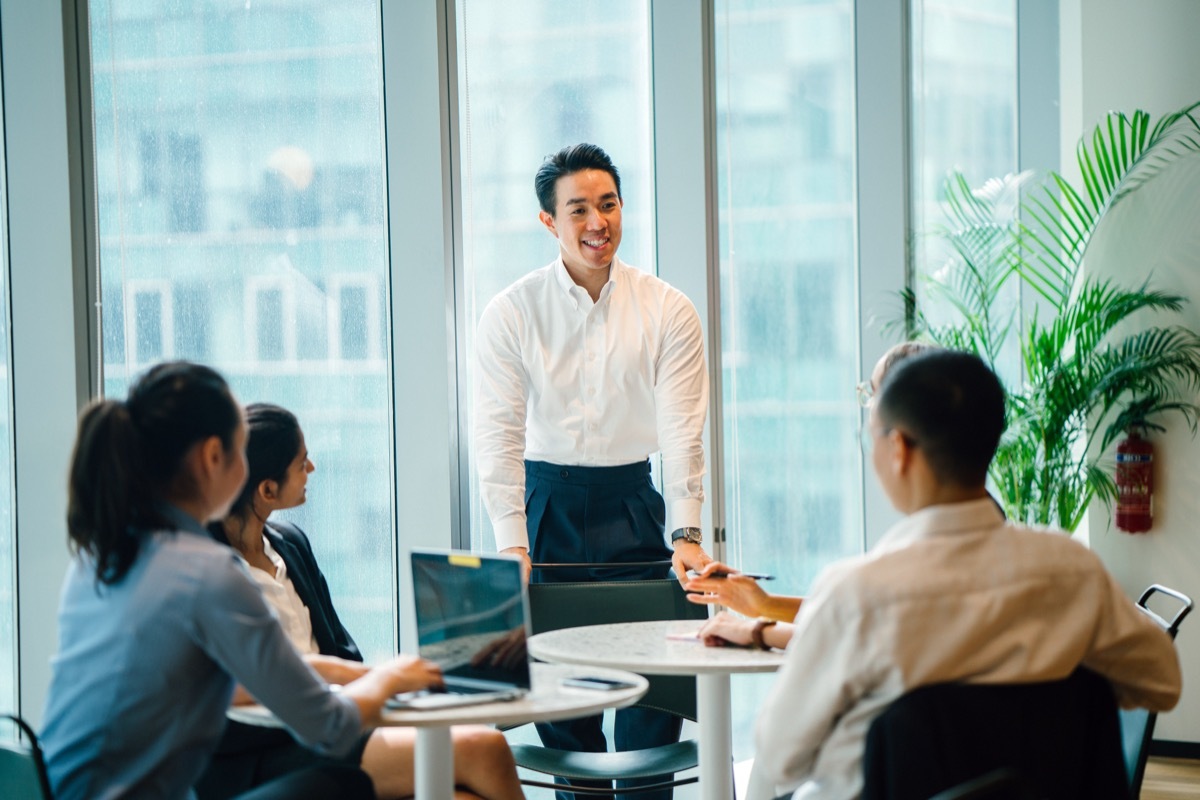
x=1081 y=381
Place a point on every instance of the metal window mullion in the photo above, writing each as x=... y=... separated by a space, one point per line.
x=883 y=98
x=685 y=191
x=418 y=88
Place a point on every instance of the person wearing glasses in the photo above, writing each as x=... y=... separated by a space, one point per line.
x=720 y=584
x=951 y=593
x=584 y=369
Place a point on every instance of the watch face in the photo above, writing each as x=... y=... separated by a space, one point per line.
x=691 y=535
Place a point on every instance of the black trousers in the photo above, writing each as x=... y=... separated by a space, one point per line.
x=597 y=515
x=250 y=757
x=317 y=783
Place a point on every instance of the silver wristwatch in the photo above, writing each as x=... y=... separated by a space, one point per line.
x=691 y=535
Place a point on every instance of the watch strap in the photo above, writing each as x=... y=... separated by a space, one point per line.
x=688 y=534
x=756 y=633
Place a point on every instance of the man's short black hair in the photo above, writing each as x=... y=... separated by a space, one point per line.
x=951 y=405
x=568 y=161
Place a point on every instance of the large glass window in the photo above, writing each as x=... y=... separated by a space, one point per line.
x=964 y=113
x=241 y=206
x=789 y=326
x=785 y=131
x=535 y=76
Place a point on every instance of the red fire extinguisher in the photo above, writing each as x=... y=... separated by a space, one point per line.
x=1135 y=483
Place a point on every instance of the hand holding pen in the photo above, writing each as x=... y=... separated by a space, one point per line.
x=720 y=584
x=754 y=576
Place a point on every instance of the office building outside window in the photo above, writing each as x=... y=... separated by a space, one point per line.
x=239 y=160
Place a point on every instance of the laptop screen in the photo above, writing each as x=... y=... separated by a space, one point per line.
x=472 y=618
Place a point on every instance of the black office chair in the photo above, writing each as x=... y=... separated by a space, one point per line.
x=22 y=768
x=562 y=605
x=1001 y=784
x=1137 y=724
x=1058 y=739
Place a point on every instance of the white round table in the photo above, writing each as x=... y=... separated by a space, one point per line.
x=644 y=647
x=547 y=701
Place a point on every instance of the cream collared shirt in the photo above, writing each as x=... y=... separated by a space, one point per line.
x=561 y=379
x=951 y=593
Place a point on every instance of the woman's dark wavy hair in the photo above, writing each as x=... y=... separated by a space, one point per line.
x=129 y=453
x=272 y=443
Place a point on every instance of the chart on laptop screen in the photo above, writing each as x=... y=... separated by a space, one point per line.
x=471 y=617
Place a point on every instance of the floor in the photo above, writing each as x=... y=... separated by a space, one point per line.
x=1171 y=779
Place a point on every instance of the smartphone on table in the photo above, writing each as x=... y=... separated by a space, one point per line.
x=600 y=684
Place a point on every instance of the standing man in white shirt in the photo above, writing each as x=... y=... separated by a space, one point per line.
x=585 y=368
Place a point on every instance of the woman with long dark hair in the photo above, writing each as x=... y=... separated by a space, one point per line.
x=158 y=621
x=282 y=562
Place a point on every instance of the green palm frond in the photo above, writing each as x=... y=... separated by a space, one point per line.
x=1122 y=154
x=1083 y=382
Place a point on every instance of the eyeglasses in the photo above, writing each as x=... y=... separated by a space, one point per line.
x=865 y=393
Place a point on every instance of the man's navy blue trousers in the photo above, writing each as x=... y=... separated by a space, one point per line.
x=599 y=515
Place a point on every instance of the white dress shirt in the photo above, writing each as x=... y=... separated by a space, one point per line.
x=280 y=594
x=951 y=593
x=561 y=379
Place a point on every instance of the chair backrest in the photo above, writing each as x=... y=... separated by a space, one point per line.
x=572 y=604
x=1059 y=737
x=22 y=770
x=1137 y=724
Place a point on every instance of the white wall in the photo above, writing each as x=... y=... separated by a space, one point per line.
x=1125 y=55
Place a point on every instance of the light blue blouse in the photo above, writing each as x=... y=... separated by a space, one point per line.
x=146 y=667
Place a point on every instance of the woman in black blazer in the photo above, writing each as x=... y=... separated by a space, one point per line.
x=281 y=560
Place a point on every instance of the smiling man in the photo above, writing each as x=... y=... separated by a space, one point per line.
x=585 y=368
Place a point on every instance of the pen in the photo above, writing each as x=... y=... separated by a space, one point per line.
x=754 y=576
x=757 y=576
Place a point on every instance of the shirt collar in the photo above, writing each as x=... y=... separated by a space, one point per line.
x=180 y=520
x=942 y=520
x=564 y=278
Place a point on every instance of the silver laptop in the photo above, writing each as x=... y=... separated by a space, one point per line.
x=472 y=620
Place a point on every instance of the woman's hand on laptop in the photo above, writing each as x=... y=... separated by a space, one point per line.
x=401 y=674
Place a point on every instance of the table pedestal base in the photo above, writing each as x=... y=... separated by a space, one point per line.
x=716 y=746
x=435 y=764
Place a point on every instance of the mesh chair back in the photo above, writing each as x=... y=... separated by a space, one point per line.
x=1060 y=737
x=22 y=769
x=1137 y=724
x=567 y=605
